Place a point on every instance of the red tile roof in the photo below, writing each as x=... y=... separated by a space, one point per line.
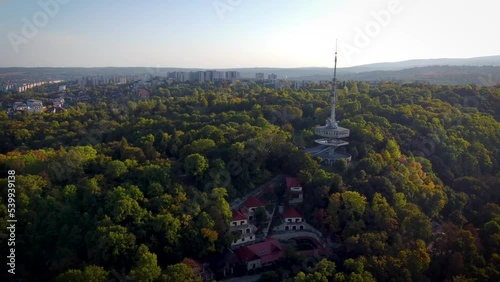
x=291 y=213
x=253 y=202
x=243 y=210
x=269 y=189
x=237 y=216
x=268 y=251
x=245 y=254
x=292 y=182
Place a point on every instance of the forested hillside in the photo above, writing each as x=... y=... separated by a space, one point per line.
x=123 y=186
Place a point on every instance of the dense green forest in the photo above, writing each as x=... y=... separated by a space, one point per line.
x=123 y=186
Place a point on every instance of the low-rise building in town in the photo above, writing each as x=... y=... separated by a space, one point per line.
x=250 y=206
x=241 y=228
x=31 y=106
x=294 y=192
x=261 y=254
x=34 y=105
x=291 y=220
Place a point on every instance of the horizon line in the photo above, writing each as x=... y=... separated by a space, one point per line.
x=254 y=67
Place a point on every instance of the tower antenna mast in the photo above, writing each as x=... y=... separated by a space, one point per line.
x=333 y=122
x=331 y=133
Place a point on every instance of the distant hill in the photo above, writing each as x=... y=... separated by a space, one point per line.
x=479 y=70
x=453 y=75
x=478 y=62
x=316 y=73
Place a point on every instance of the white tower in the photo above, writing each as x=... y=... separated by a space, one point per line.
x=331 y=132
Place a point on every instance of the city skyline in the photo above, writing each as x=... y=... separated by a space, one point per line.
x=238 y=34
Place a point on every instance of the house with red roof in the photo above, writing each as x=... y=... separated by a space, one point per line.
x=250 y=205
x=238 y=218
x=291 y=215
x=261 y=254
x=242 y=229
x=294 y=192
x=291 y=220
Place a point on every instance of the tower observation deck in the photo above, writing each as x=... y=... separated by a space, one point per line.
x=332 y=133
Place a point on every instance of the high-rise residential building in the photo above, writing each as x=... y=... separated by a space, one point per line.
x=259 y=76
x=272 y=76
x=209 y=75
x=82 y=81
x=232 y=75
x=203 y=76
x=213 y=75
x=181 y=76
x=198 y=76
x=299 y=84
x=219 y=75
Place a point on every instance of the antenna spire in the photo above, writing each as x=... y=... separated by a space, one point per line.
x=333 y=96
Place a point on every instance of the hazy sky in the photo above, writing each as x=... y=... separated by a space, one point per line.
x=243 y=33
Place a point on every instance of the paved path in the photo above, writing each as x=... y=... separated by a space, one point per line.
x=289 y=235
